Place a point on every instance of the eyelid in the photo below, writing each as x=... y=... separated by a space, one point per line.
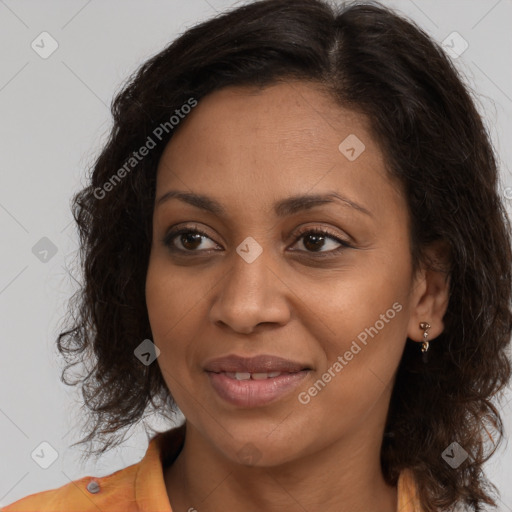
x=322 y=230
x=172 y=233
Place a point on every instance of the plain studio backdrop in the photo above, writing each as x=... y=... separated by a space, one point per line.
x=54 y=118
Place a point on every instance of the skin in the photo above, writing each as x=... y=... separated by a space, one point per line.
x=247 y=149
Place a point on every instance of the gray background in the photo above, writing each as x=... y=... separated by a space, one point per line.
x=54 y=118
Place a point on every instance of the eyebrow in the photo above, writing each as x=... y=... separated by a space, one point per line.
x=282 y=208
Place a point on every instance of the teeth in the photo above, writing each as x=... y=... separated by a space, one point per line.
x=254 y=376
x=259 y=376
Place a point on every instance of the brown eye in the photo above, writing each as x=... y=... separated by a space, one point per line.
x=315 y=241
x=190 y=239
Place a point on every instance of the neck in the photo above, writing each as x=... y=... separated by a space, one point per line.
x=339 y=478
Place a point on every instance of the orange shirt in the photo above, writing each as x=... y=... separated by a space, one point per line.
x=141 y=487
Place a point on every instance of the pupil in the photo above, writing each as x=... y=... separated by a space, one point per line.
x=316 y=239
x=190 y=236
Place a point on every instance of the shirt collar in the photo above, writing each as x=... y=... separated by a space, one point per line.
x=150 y=490
x=407 y=492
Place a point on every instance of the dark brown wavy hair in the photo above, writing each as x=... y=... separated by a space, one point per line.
x=380 y=65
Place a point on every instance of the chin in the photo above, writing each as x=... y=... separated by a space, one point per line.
x=260 y=448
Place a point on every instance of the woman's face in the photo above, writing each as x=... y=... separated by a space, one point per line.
x=261 y=282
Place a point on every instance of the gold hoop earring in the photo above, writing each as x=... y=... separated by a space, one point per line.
x=424 y=326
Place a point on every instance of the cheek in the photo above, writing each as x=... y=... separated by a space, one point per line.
x=374 y=292
x=167 y=309
x=169 y=297
x=361 y=325
x=158 y=301
x=173 y=314
x=176 y=311
x=358 y=371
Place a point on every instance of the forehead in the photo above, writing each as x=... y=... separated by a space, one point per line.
x=295 y=117
x=283 y=139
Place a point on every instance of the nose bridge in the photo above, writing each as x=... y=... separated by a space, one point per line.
x=250 y=292
x=249 y=270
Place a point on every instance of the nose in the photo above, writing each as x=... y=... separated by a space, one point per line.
x=250 y=294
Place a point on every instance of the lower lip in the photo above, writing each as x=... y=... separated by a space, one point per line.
x=253 y=393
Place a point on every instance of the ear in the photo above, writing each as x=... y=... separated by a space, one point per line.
x=430 y=293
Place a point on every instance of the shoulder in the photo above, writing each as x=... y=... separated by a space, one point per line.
x=136 y=487
x=113 y=492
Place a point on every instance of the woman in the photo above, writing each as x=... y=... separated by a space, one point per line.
x=294 y=236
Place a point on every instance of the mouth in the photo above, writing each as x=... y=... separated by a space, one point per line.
x=254 y=381
x=254 y=376
x=261 y=364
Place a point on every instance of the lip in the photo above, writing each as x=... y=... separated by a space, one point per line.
x=254 y=393
x=262 y=363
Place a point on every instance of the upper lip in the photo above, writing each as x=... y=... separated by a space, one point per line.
x=256 y=364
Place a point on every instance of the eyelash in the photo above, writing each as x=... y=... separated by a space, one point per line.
x=169 y=238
